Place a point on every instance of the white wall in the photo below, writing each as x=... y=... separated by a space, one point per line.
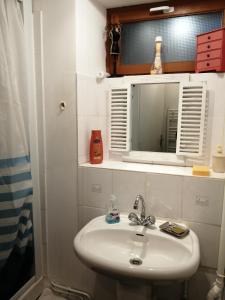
x=55 y=34
x=195 y=201
x=149 y=116
x=166 y=195
x=90 y=37
x=65 y=59
x=216 y=117
x=90 y=59
x=91 y=113
x=75 y=29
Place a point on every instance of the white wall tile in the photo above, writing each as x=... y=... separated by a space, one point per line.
x=91 y=96
x=164 y=195
x=209 y=236
x=126 y=186
x=85 y=125
x=96 y=185
x=202 y=200
x=215 y=87
x=90 y=35
x=86 y=214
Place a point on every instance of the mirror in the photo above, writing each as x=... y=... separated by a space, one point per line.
x=154 y=117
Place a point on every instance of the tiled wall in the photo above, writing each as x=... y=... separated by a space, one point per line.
x=91 y=112
x=93 y=104
x=196 y=201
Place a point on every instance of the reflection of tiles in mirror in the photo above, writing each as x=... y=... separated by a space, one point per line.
x=49 y=295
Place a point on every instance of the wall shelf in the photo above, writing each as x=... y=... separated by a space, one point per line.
x=150 y=168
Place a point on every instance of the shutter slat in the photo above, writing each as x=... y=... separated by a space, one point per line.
x=191 y=119
x=120 y=119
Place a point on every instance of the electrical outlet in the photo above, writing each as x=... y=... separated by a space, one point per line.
x=201 y=200
x=96 y=188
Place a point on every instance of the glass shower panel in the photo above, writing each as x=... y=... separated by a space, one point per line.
x=178 y=34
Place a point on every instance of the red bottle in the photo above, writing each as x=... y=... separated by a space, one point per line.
x=96 y=147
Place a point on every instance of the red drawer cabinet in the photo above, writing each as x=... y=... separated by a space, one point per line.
x=211 y=51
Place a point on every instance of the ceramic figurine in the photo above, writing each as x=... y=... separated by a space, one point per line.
x=157 y=65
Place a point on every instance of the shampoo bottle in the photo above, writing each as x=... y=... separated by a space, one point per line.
x=113 y=215
x=96 y=147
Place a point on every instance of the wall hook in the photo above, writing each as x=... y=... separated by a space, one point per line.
x=62 y=105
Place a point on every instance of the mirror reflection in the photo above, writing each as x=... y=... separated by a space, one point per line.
x=154 y=117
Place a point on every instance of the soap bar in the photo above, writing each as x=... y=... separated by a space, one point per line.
x=200 y=170
x=177 y=230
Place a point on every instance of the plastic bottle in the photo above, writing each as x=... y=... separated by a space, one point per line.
x=96 y=147
x=113 y=215
x=218 y=160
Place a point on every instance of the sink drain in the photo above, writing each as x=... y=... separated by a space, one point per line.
x=135 y=261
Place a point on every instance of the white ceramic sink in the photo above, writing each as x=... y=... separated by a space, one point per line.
x=112 y=247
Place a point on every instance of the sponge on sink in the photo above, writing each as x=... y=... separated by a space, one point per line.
x=200 y=170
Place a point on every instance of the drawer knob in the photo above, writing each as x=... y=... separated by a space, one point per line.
x=208 y=64
x=209 y=37
x=208 y=46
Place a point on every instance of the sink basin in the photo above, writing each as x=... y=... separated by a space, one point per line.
x=136 y=251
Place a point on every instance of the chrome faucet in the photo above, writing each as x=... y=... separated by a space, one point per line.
x=144 y=221
x=136 y=204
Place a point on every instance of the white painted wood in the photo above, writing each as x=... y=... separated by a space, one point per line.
x=192 y=114
x=120 y=103
x=119 y=3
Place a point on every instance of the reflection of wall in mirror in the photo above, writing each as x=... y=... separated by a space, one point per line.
x=151 y=122
x=149 y=115
x=148 y=126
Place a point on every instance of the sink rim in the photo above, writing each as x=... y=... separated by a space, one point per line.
x=97 y=262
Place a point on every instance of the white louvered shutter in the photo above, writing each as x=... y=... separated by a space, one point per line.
x=120 y=101
x=191 y=119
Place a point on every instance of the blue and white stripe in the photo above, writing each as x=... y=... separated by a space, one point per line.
x=16 y=192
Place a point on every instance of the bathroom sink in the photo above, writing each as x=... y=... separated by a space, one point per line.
x=136 y=251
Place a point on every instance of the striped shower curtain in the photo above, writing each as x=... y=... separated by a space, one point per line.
x=15 y=172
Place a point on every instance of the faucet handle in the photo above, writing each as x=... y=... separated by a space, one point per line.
x=133 y=218
x=149 y=220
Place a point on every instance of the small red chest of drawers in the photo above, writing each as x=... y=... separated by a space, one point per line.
x=211 y=51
